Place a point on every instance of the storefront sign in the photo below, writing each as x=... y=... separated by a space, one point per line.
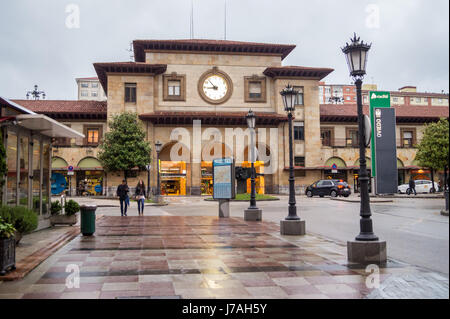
x=377 y=100
x=223 y=178
x=386 y=151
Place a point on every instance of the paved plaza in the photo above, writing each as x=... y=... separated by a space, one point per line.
x=207 y=257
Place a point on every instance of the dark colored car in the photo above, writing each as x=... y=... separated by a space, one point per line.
x=328 y=187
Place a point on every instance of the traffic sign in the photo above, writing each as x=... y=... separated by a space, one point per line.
x=70 y=168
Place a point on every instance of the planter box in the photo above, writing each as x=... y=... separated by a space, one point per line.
x=18 y=236
x=7 y=254
x=63 y=220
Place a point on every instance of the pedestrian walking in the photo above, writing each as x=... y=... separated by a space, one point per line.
x=122 y=192
x=140 y=196
x=412 y=187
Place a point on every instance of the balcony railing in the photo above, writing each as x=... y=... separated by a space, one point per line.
x=352 y=143
x=340 y=143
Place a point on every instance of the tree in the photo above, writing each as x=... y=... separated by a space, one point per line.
x=124 y=146
x=433 y=149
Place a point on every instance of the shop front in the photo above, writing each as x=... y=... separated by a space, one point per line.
x=60 y=181
x=89 y=177
x=207 y=178
x=173 y=178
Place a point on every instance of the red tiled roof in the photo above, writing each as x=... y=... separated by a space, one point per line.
x=218 y=118
x=297 y=71
x=332 y=112
x=125 y=67
x=203 y=45
x=66 y=108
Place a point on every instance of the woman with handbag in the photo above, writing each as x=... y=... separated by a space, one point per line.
x=140 y=196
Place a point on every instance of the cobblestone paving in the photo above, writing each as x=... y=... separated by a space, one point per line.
x=208 y=257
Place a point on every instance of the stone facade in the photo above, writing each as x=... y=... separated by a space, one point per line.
x=172 y=122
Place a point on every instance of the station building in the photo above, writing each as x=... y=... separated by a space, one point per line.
x=193 y=95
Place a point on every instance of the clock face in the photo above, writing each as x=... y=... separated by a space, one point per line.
x=215 y=87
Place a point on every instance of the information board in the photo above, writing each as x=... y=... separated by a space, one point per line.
x=223 y=178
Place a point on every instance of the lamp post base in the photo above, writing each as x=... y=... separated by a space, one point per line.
x=367 y=252
x=292 y=227
x=253 y=215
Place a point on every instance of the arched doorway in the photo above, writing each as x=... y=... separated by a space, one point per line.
x=263 y=169
x=59 y=180
x=335 y=168
x=174 y=172
x=90 y=176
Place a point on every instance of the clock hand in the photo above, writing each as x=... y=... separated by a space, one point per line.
x=215 y=87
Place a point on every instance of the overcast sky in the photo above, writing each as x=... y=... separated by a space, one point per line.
x=410 y=37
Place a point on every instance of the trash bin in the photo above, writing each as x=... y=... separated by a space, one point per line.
x=88 y=219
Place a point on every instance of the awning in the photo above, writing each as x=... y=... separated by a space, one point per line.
x=46 y=126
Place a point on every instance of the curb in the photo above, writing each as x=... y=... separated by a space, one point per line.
x=242 y=201
x=372 y=200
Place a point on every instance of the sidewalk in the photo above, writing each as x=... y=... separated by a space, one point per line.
x=208 y=257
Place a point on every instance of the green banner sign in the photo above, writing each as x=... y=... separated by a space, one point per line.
x=377 y=99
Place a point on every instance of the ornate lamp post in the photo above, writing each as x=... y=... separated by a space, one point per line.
x=148 y=167
x=292 y=225
x=36 y=94
x=253 y=212
x=356 y=54
x=158 y=147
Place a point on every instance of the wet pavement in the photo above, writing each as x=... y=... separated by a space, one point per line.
x=208 y=257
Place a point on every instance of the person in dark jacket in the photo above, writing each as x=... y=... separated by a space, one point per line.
x=412 y=186
x=140 y=196
x=122 y=192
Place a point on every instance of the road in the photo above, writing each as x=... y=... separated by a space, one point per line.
x=414 y=230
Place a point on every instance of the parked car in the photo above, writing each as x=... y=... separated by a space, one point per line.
x=328 y=187
x=422 y=186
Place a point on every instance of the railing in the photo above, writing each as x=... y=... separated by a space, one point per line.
x=340 y=143
x=351 y=143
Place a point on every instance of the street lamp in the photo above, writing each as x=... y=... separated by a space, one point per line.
x=36 y=94
x=253 y=213
x=292 y=225
x=158 y=147
x=251 y=122
x=356 y=54
x=148 y=167
x=366 y=248
x=289 y=95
